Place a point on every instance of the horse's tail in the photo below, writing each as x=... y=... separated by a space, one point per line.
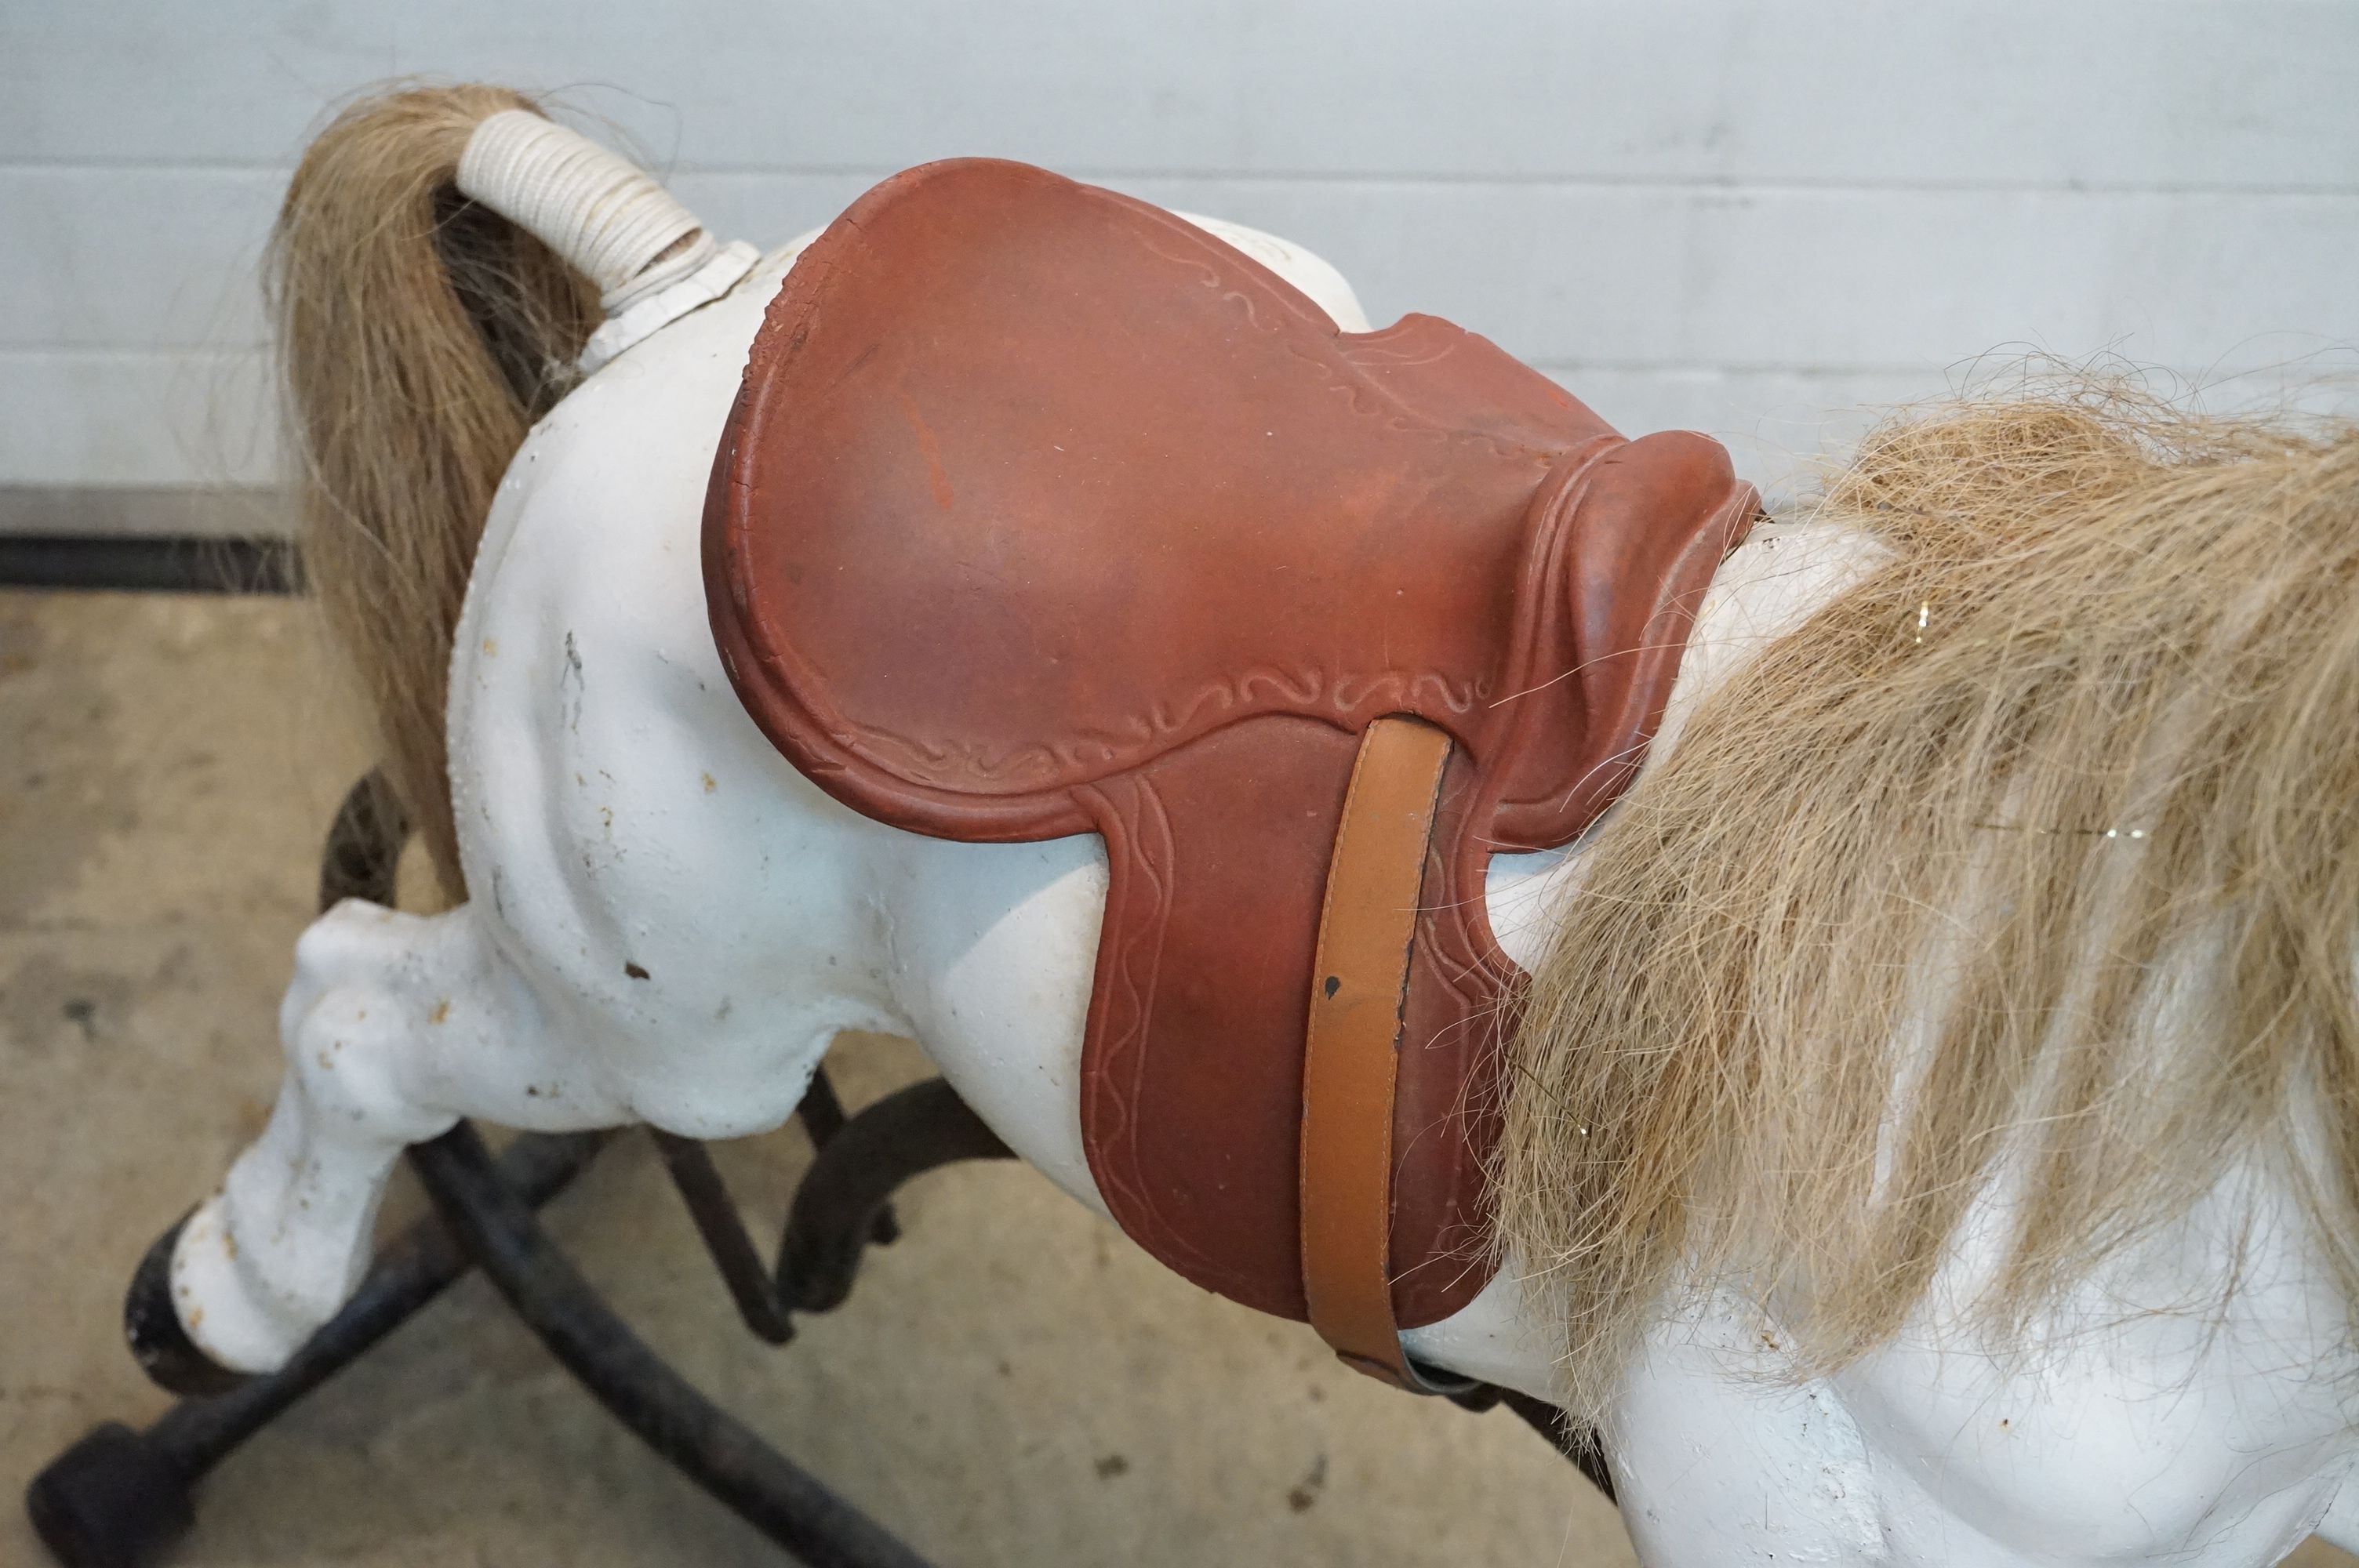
x=435 y=273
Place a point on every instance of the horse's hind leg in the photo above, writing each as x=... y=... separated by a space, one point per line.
x=393 y=1027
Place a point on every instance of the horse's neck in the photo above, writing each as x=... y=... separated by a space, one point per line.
x=1769 y=586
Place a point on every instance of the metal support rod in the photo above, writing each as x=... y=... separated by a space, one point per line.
x=751 y=1285
x=708 y=1445
x=904 y=1135
x=821 y=1114
x=764 y=1298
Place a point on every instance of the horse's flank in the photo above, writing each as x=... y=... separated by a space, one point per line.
x=2053 y=817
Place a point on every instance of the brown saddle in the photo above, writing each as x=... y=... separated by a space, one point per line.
x=1042 y=511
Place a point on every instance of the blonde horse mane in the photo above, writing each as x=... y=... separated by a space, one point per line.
x=2052 y=817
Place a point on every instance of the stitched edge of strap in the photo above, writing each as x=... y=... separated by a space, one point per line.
x=1367 y=931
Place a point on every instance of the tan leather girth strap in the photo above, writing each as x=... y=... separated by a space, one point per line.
x=1366 y=929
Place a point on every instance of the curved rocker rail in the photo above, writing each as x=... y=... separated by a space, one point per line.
x=841 y=1202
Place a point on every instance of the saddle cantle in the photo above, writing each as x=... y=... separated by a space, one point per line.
x=1042 y=511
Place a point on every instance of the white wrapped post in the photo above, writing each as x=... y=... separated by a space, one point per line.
x=652 y=261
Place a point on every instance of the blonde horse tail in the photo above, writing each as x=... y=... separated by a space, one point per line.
x=435 y=274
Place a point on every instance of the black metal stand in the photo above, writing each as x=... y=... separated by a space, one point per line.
x=721 y=1454
x=120 y=1497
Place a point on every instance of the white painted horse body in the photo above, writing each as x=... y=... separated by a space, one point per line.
x=669 y=923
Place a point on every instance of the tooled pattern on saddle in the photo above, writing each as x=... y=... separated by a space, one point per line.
x=1041 y=512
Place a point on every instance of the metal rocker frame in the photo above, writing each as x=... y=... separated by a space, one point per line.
x=121 y=1498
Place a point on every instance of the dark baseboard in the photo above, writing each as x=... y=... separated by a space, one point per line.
x=130 y=563
x=151 y=538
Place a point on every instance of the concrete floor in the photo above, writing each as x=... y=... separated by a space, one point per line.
x=1011 y=1384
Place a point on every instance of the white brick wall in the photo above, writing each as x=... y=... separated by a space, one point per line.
x=1740 y=217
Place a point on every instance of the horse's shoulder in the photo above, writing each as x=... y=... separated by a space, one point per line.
x=2148 y=1414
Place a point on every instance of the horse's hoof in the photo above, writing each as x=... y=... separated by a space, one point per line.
x=159 y=1341
x=116 y=1500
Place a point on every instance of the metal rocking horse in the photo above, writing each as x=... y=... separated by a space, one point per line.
x=1861 y=1008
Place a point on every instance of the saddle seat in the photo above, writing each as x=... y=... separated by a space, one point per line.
x=1042 y=511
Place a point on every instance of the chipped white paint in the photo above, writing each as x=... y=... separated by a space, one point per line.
x=669 y=923
x=647 y=314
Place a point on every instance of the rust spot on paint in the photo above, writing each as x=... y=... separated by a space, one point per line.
x=442 y=1012
x=635 y=972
